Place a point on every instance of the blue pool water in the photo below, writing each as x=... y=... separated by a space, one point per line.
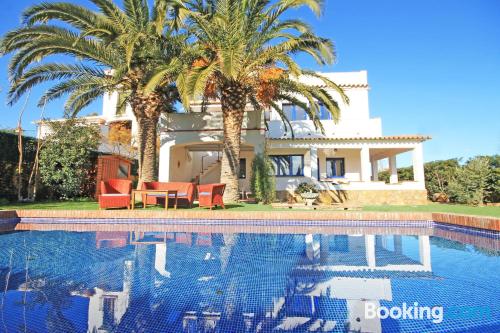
x=210 y=282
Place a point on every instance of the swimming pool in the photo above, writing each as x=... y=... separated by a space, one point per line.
x=359 y=279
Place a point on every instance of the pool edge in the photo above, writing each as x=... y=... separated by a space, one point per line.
x=8 y=218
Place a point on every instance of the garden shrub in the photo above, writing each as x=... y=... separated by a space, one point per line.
x=67 y=157
x=438 y=175
x=305 y=188
x=474 y=182
x=262 y=182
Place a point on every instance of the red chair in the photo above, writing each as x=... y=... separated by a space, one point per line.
x=210 y=195
x=115 y=193
x=111 y=239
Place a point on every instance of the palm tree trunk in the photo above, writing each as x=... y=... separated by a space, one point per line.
x=233 y=101
x=148 y=136
x=146 y=110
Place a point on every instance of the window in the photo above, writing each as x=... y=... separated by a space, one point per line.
x=324 y=114
x=243 y=168
x=294 y=112
x=288 y=165
x=335 y=167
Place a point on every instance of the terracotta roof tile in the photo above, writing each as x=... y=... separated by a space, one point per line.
x=363 y=138
x=349 y=85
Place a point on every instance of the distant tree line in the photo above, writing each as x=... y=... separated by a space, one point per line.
x=474 y=182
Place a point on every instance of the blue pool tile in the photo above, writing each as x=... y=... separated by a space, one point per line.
x=179 y=282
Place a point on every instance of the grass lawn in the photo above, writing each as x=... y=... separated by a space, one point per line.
x=431 y=207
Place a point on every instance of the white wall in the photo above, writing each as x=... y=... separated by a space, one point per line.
x=180 y=165
x=354 y=117
x=353 y=127
x=109 y=104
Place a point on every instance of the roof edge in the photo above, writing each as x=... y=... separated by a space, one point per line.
x=420 y=138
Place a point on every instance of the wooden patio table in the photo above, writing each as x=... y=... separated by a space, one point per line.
x=151 y=192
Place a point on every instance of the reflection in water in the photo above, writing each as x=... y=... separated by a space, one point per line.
x=107 y=307
x=205 y=282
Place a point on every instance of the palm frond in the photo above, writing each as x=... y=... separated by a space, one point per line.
x=80 y=98
x=328 y=83
x=49 y=72
x=75 y=15
x=113 y=13
x=162 y=74
x=67 y=44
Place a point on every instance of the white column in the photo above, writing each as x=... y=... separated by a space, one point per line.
x=128 y=265
x=161 y=259
x=109 y=101
x=370 y=250
x=365 y=164
x=374 y=170
x=312 y=247
x=134 y=131
x=424 y=250
x=418 y=163
x=393 y=179
x=313 y=154
x=164 y=172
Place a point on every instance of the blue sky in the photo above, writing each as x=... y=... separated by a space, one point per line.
x=433 y=67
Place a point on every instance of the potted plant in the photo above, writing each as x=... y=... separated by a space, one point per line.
x=308 y=192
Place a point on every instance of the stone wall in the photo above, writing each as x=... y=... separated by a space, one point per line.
x=364 y=197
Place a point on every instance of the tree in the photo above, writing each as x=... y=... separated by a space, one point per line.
x=262 y=179
x=438 y=175
x=475 y=182
x=245 y=51
x=111 y=49
x=65 y=158
x=470 y=184
x=120 y=139
x=493 y=181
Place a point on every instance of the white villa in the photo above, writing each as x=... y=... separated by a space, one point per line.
x=343 y=161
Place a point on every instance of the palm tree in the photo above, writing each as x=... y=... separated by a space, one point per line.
x=111 y=49
x=245 y=56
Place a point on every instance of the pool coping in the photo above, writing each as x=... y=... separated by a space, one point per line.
x=316 y=218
